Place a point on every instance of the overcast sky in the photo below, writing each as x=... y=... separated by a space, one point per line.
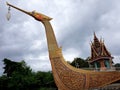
x=74 y=21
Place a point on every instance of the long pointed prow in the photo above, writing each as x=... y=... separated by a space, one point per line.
x=29 y=13
x=36 y=15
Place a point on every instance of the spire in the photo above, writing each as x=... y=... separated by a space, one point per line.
x=96 y=41
x=98 y=48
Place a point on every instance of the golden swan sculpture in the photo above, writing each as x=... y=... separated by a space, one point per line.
x=67 y=77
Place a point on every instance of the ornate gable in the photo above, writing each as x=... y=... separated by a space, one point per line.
x=98 y=49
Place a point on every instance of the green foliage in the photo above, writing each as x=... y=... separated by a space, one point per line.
x=117 y=66
x=18 y=76
x=45 y=79
x=12 y=67
x=3 y=82
x=80 y=63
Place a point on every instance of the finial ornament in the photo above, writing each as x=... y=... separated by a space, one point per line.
x=8 y=16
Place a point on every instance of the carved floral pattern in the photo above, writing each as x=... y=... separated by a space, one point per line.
x=79 y=81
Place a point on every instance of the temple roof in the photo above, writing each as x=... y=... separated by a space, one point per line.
x=98 y=49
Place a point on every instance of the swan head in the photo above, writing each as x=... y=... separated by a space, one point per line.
x=40 y=17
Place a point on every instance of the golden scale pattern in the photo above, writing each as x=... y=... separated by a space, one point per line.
x=68 y=77
x=81 y=81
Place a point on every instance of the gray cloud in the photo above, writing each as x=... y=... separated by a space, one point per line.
x=74 y=21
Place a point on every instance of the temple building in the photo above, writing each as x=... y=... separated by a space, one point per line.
x=100 y=58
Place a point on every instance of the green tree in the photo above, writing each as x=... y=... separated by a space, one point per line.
x=117 y=66
x=80 y=63
x=4 y=82
x=45 y=79
x=18 y=67
x=19 y=76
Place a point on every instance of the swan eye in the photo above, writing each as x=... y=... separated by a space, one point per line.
x=33 y=12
